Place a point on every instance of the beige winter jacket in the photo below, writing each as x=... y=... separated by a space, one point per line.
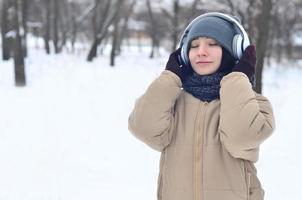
x=208 y=149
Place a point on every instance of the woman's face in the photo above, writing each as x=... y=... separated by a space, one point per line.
x=205 y=55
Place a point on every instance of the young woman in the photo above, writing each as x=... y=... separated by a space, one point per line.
x=203 y=116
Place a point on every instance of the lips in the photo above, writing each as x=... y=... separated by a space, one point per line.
x=203 y=62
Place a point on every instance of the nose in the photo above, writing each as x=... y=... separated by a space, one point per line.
x=202 y=50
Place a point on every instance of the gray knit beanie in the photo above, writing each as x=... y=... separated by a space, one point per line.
x=216 y=28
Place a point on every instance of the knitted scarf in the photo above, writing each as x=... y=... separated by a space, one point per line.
x=204 y=87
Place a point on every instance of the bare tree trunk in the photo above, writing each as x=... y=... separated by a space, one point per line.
x=47 y=27
x=18 y=48
x=24 y=25
x=73 y=27
x=125 y=25
x=55 y=25
x=76 y=21
x=114 y=40
x=115 y=35
x=263 y=25
x=64 y=24
x=6 y=42
x=94 y=18
x=106 y=20
x=175 y=24
x=152 y=29
x=93 y=51
x=97 y=39
x=251 y=21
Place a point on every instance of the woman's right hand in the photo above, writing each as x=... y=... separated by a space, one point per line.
x=176 y=65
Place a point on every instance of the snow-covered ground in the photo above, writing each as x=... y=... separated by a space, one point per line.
x=64 y=136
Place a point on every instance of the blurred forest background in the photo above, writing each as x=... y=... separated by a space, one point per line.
x=275 y=26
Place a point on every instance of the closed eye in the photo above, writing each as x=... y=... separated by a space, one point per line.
x=194 y=46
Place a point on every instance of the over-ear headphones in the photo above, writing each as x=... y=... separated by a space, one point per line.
x=239 y=42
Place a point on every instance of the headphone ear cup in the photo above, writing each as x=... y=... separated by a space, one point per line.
x=184 y=56
x=237 y=46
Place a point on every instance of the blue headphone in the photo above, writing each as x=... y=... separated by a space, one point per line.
x=239 y=43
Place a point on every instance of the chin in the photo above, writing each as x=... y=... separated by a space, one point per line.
x=203 y=72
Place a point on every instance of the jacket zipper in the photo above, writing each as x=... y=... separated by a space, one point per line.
x=198 y=150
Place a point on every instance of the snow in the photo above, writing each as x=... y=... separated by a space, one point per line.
x=65 y=137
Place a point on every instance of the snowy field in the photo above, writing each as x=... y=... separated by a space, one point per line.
x=65 y=137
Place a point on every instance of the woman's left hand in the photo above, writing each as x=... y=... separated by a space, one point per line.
x=247 y=63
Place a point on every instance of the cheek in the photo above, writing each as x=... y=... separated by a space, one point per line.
x=190 y=55
x=218 y=55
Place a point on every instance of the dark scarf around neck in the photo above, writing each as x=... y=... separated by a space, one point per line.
x=204 y=87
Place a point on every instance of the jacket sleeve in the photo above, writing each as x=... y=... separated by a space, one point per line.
x=246 y=118
x=153 y=115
